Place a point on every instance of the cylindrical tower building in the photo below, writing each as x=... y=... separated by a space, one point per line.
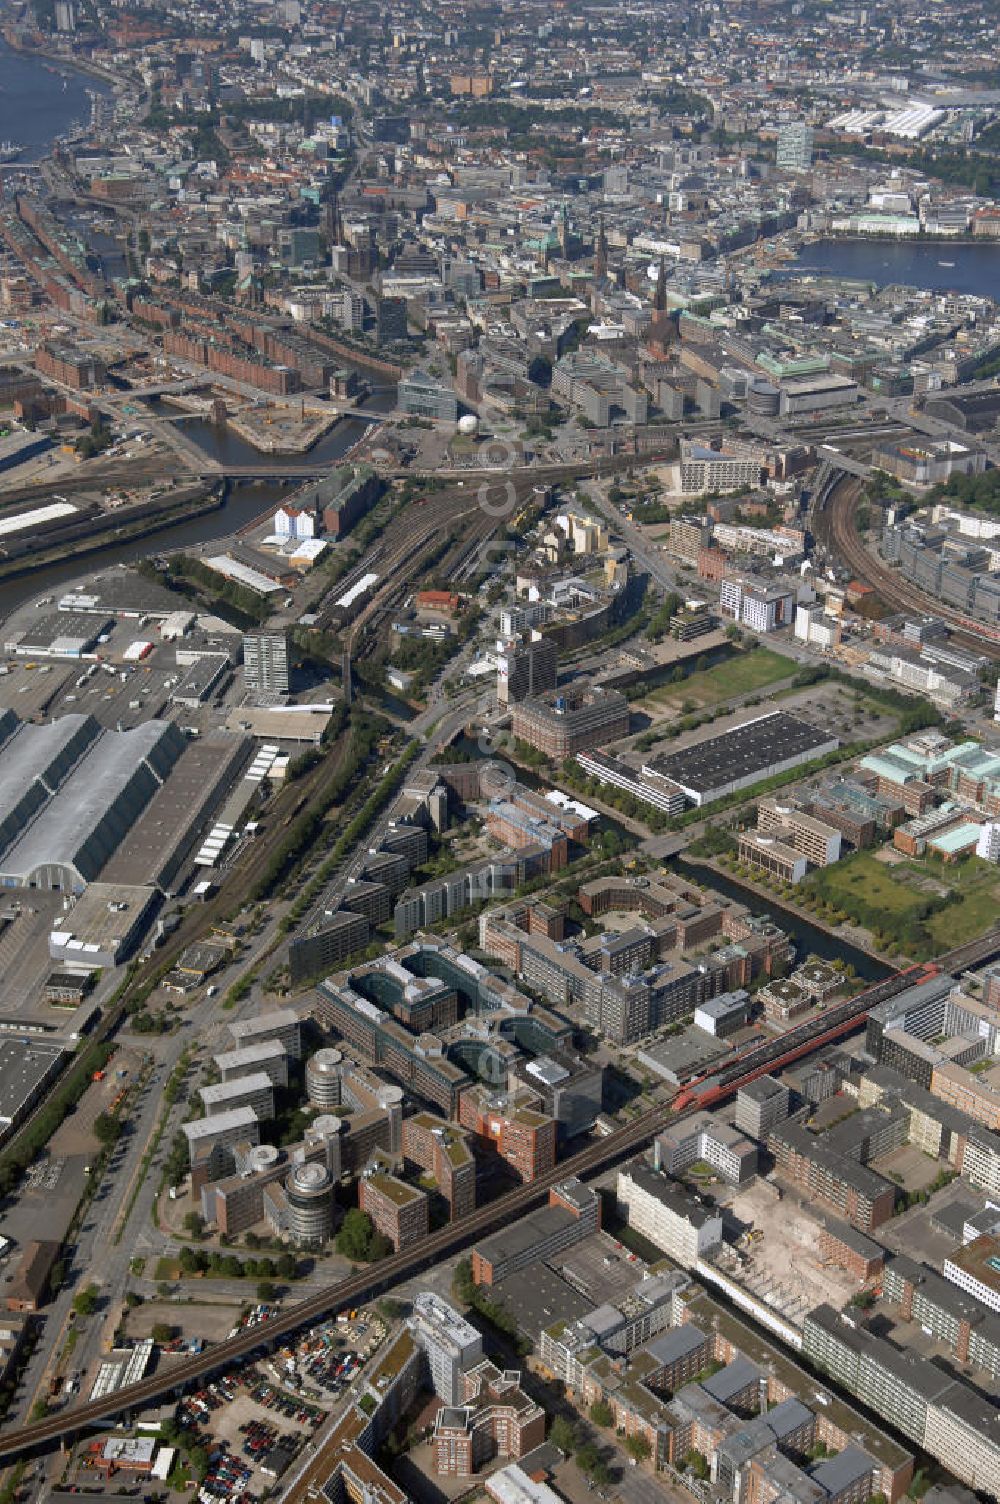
x=323 y=1078
x=309 y=1189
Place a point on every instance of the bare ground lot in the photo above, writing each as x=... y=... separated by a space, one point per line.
x=784 y=1267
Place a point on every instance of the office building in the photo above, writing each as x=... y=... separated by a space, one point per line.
x=424 y=396
x=671 y=1217
x=255 y=1090
x=269 y=1056
x=211 y=1143
x=309 y=1195
x=508 y=1124
x=760 y=1106
x=572 y=1214
x=562 y=723
x=526 y=667
x=795 y=147
x=818 y=842
x=773 y=855
x=281 y=1024
x=266 y=669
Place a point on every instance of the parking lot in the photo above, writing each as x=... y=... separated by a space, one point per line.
x=254 y=1419
x=601 y=1268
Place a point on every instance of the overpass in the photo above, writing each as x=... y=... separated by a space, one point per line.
x=841 y=461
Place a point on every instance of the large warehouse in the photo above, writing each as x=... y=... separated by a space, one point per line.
x=742 y=757
x=70 y=793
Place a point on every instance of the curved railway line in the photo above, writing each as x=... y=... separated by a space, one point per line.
x=837 y=511
x=595 y=1157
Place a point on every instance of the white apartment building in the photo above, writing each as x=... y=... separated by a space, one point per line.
x=762 y=608
x=669 y=1216
x=451 y=1344
x=988 y=845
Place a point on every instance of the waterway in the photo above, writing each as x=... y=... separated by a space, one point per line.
x=936 y=266
x=809 y=939
x=246 y=501
x=229 y=448
x=40 y=100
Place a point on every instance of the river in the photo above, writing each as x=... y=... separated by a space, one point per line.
x=40 y=99
x=938 y=266
x=809 y=939
x=246 y=499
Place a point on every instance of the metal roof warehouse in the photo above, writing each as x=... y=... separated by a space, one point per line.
x=739 y=758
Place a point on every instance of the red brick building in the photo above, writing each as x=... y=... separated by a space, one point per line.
x=442 y=1150
x=400 y=1212
x=496 y=1419
x=507 y=1124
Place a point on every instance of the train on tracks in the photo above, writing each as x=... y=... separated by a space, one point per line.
x=709 y=1089
x=598 y=1155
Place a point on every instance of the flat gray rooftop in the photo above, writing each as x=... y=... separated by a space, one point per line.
x=24 y=1065
x=95 y=806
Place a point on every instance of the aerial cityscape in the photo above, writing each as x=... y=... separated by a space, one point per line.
x=499 y=752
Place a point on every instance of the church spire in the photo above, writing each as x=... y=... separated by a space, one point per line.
x=660 y=296
x=600 y=251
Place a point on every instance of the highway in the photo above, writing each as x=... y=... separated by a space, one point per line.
x=593 y=1159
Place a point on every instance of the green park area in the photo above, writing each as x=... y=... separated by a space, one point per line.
x=914 y=908
x=743 y=674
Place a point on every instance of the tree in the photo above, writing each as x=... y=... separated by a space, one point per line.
x=200 y=1460
x=287 y=1266
x=601 y=1413
x=85 y=1301
x=163 y=1332
x=540 y=370
x=355 y=1236
x=390 y=1309
x=195 y=1224
x=697 y=1463
x=563 y=1435
x=638 y=1447
x=106 y=1130
x=588 y=1457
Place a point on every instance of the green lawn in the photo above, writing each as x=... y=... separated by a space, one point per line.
x=977 y=913
x=740 y=675
x=897 y=892
x=861 y=876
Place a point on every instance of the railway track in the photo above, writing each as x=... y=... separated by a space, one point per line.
x=197 y=923
x=591 y=1160
x=842 y=537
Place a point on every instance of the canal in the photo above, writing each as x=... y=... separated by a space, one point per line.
x=809 y=939
x=246 y=499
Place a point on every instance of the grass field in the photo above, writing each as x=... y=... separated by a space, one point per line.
x=899 y=890
x=861 y=876
x=743 y=674
x=978 y=911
